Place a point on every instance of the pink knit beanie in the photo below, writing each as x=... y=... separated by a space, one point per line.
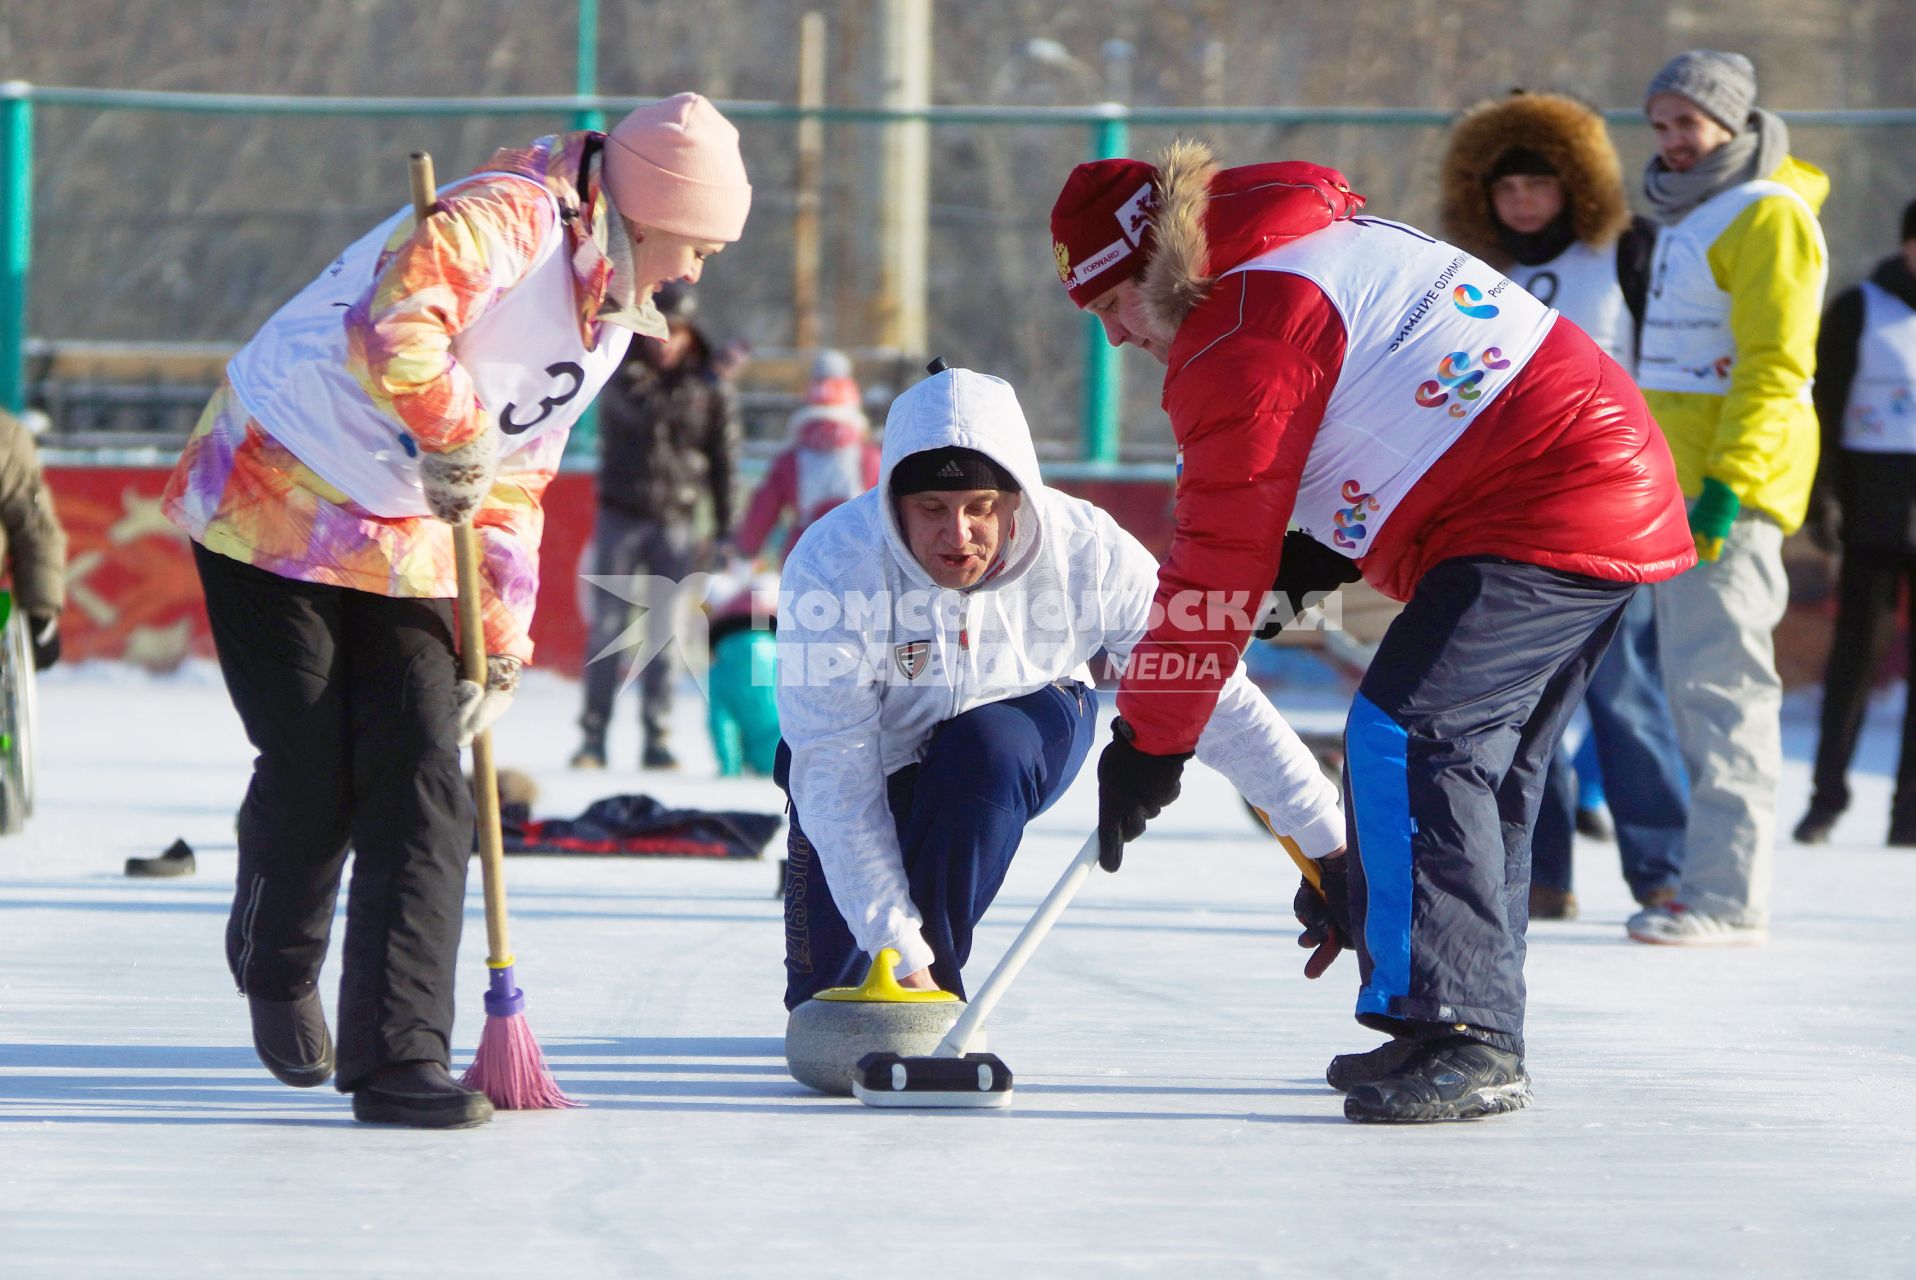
x=675 y=165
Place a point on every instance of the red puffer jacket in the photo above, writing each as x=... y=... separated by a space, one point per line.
x=1565 y=468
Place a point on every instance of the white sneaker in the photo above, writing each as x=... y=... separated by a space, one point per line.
x=1676 y=925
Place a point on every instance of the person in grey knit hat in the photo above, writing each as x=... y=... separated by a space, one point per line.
x=1726 y=360
x=1723 y=84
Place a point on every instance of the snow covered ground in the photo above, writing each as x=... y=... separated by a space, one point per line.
x=1698 y=1113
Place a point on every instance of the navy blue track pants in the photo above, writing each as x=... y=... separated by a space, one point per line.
x=1445 y=751
x=960 y=813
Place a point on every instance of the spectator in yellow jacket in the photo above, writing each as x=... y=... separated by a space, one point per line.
x=1727 y=357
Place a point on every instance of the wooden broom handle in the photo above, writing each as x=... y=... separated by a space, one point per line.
x=472 y=662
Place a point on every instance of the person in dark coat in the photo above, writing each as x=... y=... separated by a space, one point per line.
x=1864 y=506
x=668 y=435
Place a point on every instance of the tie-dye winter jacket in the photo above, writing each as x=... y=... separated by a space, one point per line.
x=241 y=493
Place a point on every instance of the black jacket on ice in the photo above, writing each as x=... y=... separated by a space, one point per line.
x=1871 y=495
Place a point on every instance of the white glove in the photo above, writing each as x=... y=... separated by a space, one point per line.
x=477 y=707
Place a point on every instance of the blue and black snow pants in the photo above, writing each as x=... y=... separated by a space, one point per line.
x=1445 y=751
x=960 y=815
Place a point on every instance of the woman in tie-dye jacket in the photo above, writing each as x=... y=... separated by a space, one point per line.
x=429 y=375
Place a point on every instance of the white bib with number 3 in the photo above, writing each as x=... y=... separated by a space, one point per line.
x=528 y=365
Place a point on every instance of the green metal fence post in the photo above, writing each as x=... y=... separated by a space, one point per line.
x=1104 y=363
x=586 y=68
x=16 y=238
x=584 y=441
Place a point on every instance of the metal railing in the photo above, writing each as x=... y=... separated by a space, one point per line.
x=1107 y=131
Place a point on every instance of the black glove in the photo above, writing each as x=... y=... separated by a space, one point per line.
x=1133 y=788
x=1325 y=914
x=1308 y=568
x=44 y=631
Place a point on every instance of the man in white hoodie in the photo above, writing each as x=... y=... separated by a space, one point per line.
x=935 y=635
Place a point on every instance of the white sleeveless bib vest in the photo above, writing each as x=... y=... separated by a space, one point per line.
x=1581 y=283
x=529 y=367
x=1432 y=335
x=1687 y=345
x=1881 y=414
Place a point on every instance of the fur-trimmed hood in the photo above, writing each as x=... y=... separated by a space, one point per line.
x=1208 y=220
x=1569 y=136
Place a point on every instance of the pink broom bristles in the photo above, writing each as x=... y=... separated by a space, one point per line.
x=508 y=1067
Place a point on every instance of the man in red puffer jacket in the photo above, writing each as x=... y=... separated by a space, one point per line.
x=1428 y=424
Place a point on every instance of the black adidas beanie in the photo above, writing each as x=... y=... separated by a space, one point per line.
x=947 y=469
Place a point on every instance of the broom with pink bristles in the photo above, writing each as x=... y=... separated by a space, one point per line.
x=508 y=1067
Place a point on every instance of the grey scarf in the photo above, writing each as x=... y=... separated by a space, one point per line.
x=1751 y=154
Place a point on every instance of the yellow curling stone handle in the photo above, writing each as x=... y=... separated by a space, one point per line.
x=881 y=987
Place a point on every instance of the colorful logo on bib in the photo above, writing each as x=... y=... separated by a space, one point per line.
x=1347 y=525
x=1470 y=300
x=1456 y=377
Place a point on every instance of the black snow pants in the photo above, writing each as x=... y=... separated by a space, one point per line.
x=349 y=699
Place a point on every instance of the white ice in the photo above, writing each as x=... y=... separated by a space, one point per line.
x=1697 y=1113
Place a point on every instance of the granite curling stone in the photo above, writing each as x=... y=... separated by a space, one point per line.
x=827 y=1035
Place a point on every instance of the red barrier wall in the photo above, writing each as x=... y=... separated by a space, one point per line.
x=133 y=594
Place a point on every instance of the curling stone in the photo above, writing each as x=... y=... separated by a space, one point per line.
x=827 y=1035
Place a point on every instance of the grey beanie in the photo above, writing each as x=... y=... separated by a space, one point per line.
x=1723 y=84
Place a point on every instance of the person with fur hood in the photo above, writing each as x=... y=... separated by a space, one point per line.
x=1533 y=186
x=1430 y=426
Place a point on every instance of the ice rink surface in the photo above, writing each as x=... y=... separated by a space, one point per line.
x=1699 y=1113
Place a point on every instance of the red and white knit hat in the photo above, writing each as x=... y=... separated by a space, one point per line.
x=1101 y=229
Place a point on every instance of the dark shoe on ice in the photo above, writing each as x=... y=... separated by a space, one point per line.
x=1455 y=1078
x=290 y=1037
x=421 y=1095
x=1552 y=904
x=1817 y=824
x=176 y=861
x=658 y=756
x=591 y=755
x=1595 y=824
x=1348 y=1070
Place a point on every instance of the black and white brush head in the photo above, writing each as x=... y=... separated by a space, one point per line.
x=890 y=1080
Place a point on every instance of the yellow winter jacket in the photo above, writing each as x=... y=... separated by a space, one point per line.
x=1760 y=439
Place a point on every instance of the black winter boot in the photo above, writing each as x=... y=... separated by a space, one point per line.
x=420 y=1094
x=290 y=1037
x=1455 y=1078
x=1817 y=824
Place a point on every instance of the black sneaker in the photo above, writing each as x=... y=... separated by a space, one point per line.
x=591 y=755
x=422 y=1095
x=1455 y=1078
x=290 y=1037
x=1817 y=824
x=1348 y=1070
x=658 y=756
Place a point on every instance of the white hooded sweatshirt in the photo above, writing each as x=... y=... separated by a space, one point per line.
x=874 y=655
